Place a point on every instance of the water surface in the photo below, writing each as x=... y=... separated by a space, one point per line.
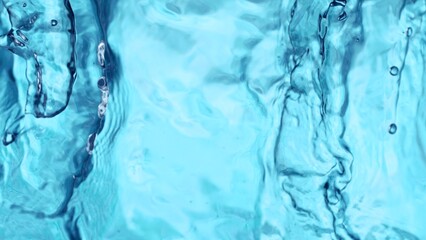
x=198 y=119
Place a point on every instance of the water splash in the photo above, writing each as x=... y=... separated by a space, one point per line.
x=45 y=114
x=212 y=119
x=50 y=53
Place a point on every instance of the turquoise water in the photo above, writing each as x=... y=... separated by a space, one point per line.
x=202 y=119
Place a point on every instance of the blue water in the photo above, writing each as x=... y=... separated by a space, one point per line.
x=213 y=119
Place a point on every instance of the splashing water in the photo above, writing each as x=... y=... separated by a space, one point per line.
x=212 y=119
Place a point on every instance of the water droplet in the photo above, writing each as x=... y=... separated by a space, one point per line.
x=392 y=128
x=90 y=143
x=101 y=53
x=102 y=84
x=53 y=22
x=409 y=32
x=394 y=71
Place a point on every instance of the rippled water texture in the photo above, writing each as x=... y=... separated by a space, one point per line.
x=213 y=119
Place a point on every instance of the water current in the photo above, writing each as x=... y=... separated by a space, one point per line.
x=213 y=119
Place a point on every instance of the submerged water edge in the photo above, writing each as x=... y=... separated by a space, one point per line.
x=48 y=113
x=212 y=119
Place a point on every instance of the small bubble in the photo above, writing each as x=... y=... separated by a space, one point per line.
x=101 y=53
x=392 y=128
x=409 y=32
x=91 y=143
x=101 y=110
x=8 y=138
x=394 y=71
x=24 y=5
x=102 y=84
x=105 y=95
x=53 y=22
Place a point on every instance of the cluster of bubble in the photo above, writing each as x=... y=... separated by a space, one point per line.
x=394 y=71
x=102 y=83
x=103 y=87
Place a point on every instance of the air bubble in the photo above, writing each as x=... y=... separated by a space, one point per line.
x=101 y=110
x=24 y=5
x=101 y=53
x=392 y=128
x=9 y=138
x=105 y=95
x=91 y=143
x=53 y=22
x=394 y=71
x=409 y=32
x=102 y=84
